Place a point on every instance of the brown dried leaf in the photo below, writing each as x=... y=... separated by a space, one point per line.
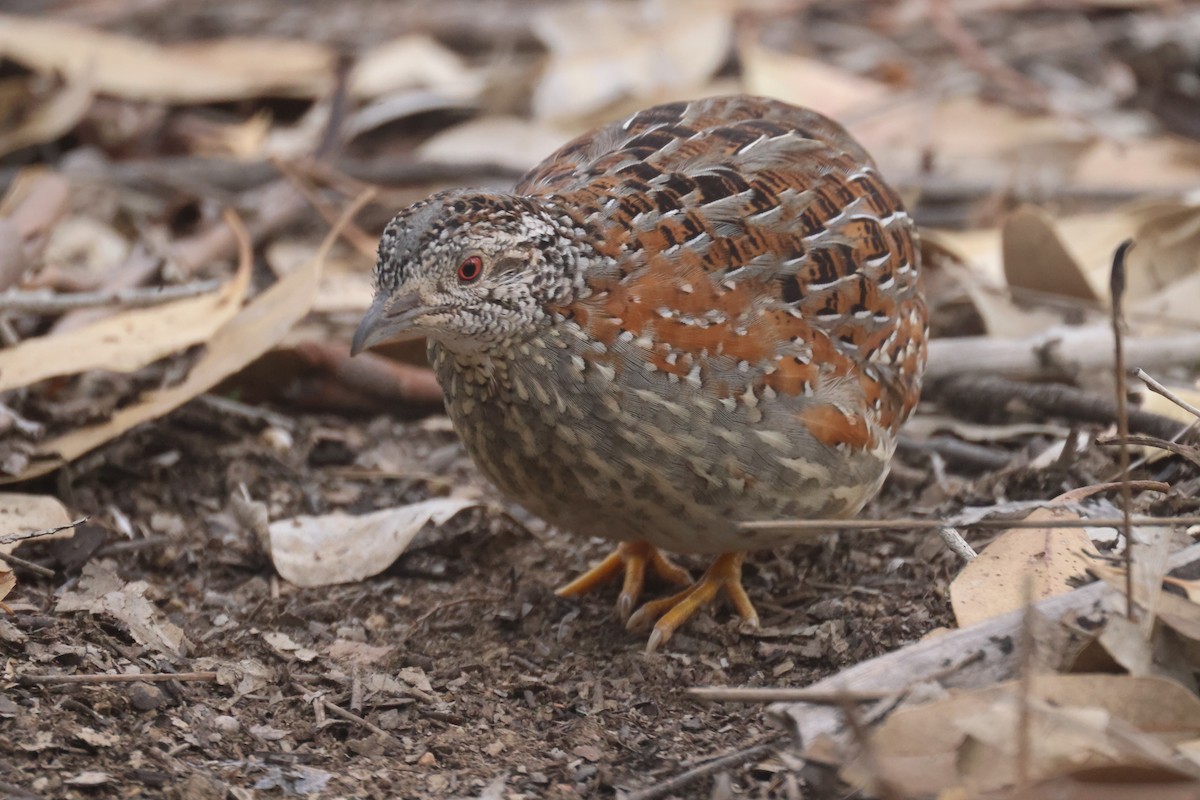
x=129 y=340
x=358 y=653
x=339 y=548
x=413 y=62
x=202 y=72
x=968 y=741
x=1073 y=255
x=50 y=118
x=252 y=332
x=100 y=591
x=598 y=57
x=21 y=513
x=504 y=141
x=8 y=581
x=994 y=583
x=806 y=81
x=1036 y=259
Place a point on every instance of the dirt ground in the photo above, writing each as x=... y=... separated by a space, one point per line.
x=481 y=678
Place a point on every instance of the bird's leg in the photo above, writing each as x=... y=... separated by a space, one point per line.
x=633 y=558
x=723 y=574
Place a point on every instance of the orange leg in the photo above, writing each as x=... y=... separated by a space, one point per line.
x=724 y=574
x=633 y=558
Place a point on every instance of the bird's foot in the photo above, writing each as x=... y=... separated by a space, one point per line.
x=633 y=558
x=724 y=574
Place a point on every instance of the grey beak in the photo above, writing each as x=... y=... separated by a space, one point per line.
x=388 y=319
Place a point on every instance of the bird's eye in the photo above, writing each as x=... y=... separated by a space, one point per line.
x=470 y=269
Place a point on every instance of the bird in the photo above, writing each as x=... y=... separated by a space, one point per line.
x=704 y=315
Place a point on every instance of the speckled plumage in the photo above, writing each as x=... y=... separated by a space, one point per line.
x=708 y=313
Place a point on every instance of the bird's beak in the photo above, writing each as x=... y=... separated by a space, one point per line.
x=389 y=319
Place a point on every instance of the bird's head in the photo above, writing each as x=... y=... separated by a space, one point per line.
x=470 y=270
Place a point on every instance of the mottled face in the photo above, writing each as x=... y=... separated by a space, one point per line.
x=469 y=270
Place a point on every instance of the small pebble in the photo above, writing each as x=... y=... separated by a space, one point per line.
x=145 y=697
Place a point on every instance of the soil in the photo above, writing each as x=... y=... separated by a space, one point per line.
x=468 y=676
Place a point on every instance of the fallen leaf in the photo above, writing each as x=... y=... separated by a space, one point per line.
x=805 y=81
x=95 y=738
x=89 y=778
x=360 y=653
x=8 y=581
x=339 y=548
x=1036 y=259
x=994 y=583
x=101 y=591
x=504 y=141
x=49 y=119
x=1050 y=557
x=1073 y=255
x=253 y=331
x=22 y=513
x=413 y=61
x=129 y=340
x=598 y=57
x=969 y=739
x=284 y=645
x=200 y=72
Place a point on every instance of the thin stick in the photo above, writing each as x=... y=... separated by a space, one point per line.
x=858 y=730
x=722 y=694
x=914 y=524
x=672 y=785
x=1185 y=450
x=1024 y=710
x=350 y=716
x=957 y=544
x=1158 y=388
x=226 y=405
x=474 y=598
x=44 y=301
x=17 y=561
x=20 y=537
x=152 y=677
x=1117 y=287
x=359 y=239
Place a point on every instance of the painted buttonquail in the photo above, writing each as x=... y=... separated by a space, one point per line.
x=708 y=313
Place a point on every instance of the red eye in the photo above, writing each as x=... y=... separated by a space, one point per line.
x=470 y=269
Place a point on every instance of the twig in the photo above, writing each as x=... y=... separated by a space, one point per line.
x=350 y=716
x=151 y=677
x=1117 y=287
x=17 y=561
x=44 y=301
x=723 y=694
x=28 y=427
x=947 y=23
x=1025 y=670
x=1158 y=388
x=1186 y=450
x=226 y=405
x=1054 y=353
x=359 y=239
x=988 y=643
x=993 y=392
x=736 y=758
x=957 y=544
x=475 y=598
x=20 y=537
x=916 y=524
